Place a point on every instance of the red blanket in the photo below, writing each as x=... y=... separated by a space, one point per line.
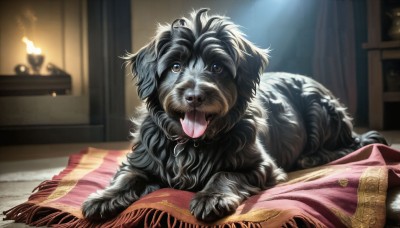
x=349 y=192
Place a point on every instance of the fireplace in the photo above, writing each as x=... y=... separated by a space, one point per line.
x=73 y=90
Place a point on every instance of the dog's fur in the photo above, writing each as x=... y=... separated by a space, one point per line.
x=249 y=128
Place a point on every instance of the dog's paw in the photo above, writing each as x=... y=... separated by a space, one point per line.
x=97 y=208
x=279 y=176
x=209 y=207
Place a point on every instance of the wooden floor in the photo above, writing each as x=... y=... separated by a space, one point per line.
x=23 y=167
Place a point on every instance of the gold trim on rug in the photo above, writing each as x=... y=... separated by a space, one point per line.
x=371 y=197
x=89 y=162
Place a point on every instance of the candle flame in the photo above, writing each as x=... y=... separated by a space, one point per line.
x=30 y=46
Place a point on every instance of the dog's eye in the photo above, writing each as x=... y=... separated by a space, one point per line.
x=176 y=68
x=216 y=68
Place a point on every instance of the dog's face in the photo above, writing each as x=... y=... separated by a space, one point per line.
x=201 y=72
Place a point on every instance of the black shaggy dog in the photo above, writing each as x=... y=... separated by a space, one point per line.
x=214 y=124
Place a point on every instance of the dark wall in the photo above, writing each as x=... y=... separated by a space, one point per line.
x=286 y=27
x=360 y=15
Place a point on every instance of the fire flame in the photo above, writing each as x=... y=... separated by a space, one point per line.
x=30 y=47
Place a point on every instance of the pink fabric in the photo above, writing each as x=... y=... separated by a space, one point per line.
x=349 y=192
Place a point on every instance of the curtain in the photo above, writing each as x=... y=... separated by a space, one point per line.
x=334 y=59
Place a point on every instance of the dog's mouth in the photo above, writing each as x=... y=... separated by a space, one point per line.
x=194 y=123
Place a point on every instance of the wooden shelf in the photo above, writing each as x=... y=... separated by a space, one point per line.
x=391 y=54
x=383 y=56
x=382 y=45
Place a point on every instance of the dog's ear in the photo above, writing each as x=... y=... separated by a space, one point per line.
x=252 y=62
x=144 y=69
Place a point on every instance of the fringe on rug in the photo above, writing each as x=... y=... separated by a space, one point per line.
x=44 y=189
x=35 y=215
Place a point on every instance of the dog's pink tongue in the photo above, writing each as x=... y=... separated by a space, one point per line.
x=194 y=124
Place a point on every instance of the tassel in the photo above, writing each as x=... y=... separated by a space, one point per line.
x=35 y=215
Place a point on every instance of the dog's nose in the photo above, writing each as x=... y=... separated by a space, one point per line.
x=194 y=98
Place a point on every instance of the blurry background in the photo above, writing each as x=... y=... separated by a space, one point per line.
x=92 y=98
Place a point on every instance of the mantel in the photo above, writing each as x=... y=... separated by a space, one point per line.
x=28 y=85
